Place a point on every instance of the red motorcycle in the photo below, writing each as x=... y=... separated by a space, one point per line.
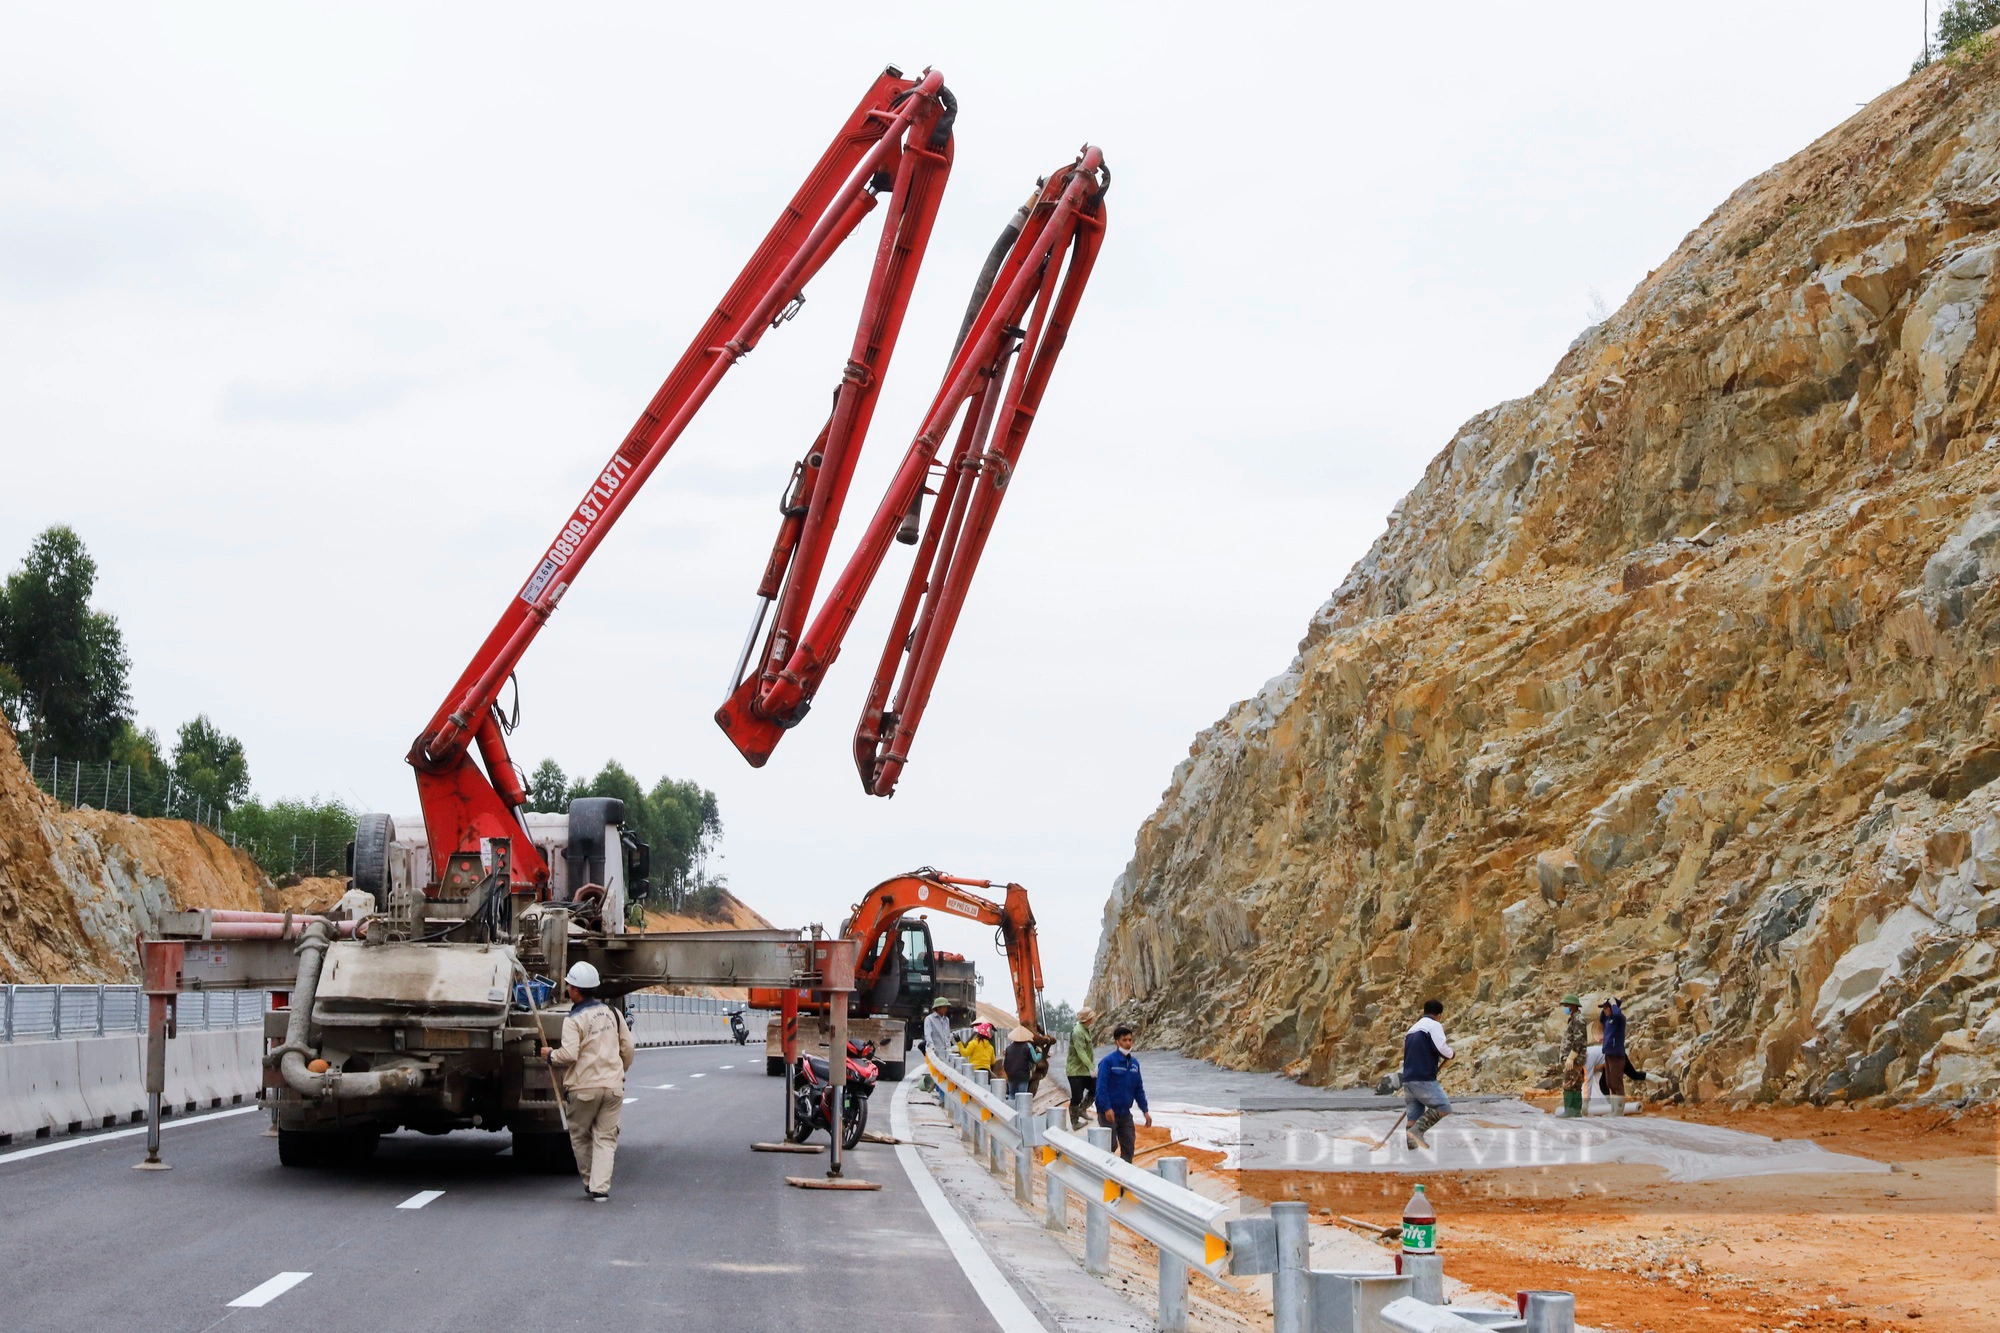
x=812 y=1095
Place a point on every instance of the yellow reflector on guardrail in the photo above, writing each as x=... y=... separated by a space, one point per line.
x=985 y=1114
x=1112 y=1193
x=1049 y=1154
x=1215 y=1248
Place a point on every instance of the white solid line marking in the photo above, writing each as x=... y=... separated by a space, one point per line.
x=1009 y=1311
x=420 y=1198
x=266 y=1292
x=85 y=1142
x=630 y=1100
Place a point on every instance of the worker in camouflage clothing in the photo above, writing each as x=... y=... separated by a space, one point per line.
x=1576 y=1041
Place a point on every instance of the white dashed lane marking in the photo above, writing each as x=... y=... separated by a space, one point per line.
x=266 y=1292
x=729 y=1066
x=421 y=1198
x=695 y=1075
x=630 y=1100
x=663 y=1087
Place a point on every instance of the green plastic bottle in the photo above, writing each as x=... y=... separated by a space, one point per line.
x=1420 y=1224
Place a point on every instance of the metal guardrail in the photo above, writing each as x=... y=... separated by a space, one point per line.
x=1194 y=1233
x=54 y=1013
x=1189 y=1231
x=642 y=1003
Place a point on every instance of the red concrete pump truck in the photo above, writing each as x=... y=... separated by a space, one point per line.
x=423 y=1013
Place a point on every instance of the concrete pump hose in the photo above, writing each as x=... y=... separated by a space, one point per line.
x=294 y=1054
x=991 y=269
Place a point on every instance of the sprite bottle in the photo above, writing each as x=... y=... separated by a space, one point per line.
x=1420 y=1224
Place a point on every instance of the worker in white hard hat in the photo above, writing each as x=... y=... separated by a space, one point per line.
x=596 y=1051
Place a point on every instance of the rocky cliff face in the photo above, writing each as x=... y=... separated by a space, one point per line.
x=1675 y=679
x=78 y=887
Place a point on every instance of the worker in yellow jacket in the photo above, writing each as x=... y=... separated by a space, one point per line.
x=978 y=1049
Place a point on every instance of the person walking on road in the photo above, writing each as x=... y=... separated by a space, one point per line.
x=1424 y=1052
x=596 y=1050
x=1020 y=1060
x=1119 y=1087
x=1081 y=1068
x=1575 y=1050
x=1611 y=1016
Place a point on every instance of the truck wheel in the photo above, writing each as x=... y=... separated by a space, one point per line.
x=893 y=1071
x=373 y=835
x=774 y=1065
x=543 y=1153
x=308 y=1147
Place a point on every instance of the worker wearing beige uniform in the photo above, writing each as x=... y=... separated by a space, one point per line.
x=596 y=1051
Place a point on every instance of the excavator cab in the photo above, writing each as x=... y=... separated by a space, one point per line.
x=907 y=984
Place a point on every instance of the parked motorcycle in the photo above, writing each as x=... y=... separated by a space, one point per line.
x=812 y=1095
x=738 y=1029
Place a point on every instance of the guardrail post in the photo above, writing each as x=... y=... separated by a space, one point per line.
x=56 y=995
x=1024 y=1124
x=100 y=1010
x=7 y=1014
x=1097 y=1220
x=1173 y=1272
x=982 y=1142
x=1055 y=1195
x=1548 y=1311
x=1426 y=1274
x=1291 y=1287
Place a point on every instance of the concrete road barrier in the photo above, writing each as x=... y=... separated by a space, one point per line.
x=53 y=1087
x=39 y=1092
x=110 y=1070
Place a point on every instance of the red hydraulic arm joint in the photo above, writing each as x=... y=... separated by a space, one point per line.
x=1021 y=311
x=897 y=140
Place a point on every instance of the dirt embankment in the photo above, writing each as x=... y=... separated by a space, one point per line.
x=79 y=887
x=731 y=913
x=1816 y=1254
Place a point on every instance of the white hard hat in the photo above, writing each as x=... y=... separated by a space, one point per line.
x=582 y=975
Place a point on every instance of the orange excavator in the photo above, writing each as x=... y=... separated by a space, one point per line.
x=901 y=973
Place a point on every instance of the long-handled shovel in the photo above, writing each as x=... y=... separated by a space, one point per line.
x=555 y=1079
x=1383 y=1141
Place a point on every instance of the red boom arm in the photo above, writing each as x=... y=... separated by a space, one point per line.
x=898 y=141
x=900 y=133
x=1027 y=308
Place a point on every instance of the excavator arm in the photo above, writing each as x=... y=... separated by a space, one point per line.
x=876 y=916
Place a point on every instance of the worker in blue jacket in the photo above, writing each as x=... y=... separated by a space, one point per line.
x=1611 y=1017
x=1119 y=1086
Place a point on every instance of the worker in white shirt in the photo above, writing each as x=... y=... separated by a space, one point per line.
x=1424 y=1052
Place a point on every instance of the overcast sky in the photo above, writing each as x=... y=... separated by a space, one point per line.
x=314 y=321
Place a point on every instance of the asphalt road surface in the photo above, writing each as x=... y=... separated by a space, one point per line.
x=700 y=1233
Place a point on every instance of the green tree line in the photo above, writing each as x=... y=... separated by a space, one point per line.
x=64 y=688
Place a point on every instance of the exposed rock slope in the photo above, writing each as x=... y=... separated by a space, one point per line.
x=1675 y=678
x=78 y=887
